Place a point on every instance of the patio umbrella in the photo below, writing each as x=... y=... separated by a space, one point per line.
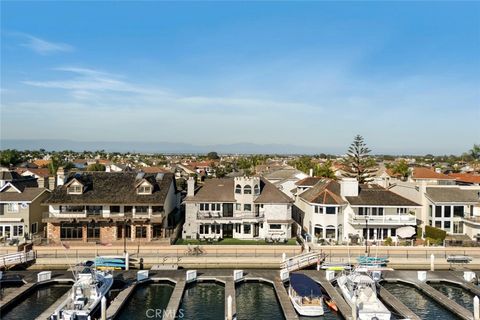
x=405 y=232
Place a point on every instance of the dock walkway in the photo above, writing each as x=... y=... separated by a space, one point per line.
x=396 y=304
x=50 y=310
x=175 y=300
x=410 y=277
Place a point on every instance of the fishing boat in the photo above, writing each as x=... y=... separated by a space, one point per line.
x=90 y=287
x=306 y=295
x=360 y=292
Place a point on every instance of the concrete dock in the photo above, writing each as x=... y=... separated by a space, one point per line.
x=47 y=313
x=230 y=291
x=282 y=295
x=117 y=304
x=175 y=300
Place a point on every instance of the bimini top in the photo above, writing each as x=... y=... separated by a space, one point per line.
x=305 y=286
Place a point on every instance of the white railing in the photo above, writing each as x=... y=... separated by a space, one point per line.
x=386 y=219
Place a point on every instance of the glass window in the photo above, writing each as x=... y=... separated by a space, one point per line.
x=247 y=228
x=380 y=211
x=446 y=225
x=330 y=232
x=34 y=228
x=237 y=228
x=93 y=232
x=12 y=207
x=238 y=188
x=330 y=210
x=393 y=232
x=247 y=189
x=141 y=209
x=157 y=209
x=247 y=207
x=141 y=232
x=430 y=210
x=74 y=189
x=144 y=190
x=128 y=209
x=401 y=210
x=256 y=190
x=114 y=209
x=360 y=211
x=447 y=211
x=71 y=231
x=374 y=211
x=318 y=209
x=238 y=206
x=17 y=231
x=275 y=226
x=438 y=224
x=438 y=211
x=200 y=229
x=458 y=211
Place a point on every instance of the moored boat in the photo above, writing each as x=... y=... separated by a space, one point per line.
x=306 y=295
x=89 y=288
x=359 y=290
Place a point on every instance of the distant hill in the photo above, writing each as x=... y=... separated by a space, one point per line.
x=160 y=147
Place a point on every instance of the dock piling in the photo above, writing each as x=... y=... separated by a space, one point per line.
x=230 y=308
x=476 y=308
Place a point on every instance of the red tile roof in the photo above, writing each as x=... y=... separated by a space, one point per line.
x=427 y=173
x=466 y=177
x=42 y=172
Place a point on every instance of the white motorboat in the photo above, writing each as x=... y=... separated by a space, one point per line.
x=306 y=295
x=359 y=290
x=89 y=288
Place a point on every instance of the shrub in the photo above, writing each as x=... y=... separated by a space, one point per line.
x=388 y=241
x=435 y=233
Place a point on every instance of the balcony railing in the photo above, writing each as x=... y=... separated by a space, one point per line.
x=385 y=219
x=65 y=214
x=472 y=219
x=219 y=215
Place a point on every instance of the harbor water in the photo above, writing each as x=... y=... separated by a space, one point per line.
x=455 y=293
x=36 y=302
x=146 y=301
x=421 y=305
x=203 y=300
x=256 y=300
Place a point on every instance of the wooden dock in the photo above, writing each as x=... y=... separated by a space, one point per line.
x=16 y=295
x=396 y=304
x=287 y=306
x=175 y=300
x=319 y=276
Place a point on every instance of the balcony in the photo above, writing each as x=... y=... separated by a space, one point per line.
x=474 y=219
x=65 y=214
x=217 y=215
x=384 y=220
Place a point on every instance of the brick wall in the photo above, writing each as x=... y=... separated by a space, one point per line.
x=108 y=234
x=53 y=232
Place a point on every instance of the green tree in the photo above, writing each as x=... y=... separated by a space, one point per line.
x=358 y=164
x=96 y=167
x=213 y=155
x=475 y=151
x=325 y=170
x=10 y=157
x=54 y=164
x=401 y=168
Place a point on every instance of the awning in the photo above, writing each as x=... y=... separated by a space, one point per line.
x=406 y=232
x=6 y=220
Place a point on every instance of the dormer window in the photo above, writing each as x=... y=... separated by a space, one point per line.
x=247 y=189
x=238 y=189
x=75 y=189
x=145 y=189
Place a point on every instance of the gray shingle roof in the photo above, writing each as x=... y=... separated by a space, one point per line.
x=453 y=195
x=375 y=195
x=112 y=188
x=325 y=191
x=28 y=194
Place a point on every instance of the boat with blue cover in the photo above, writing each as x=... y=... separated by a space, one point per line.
x=306 y=295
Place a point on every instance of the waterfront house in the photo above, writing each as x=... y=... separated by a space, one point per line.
x=240 y=207
x=342 y=210
x=110 y=206
x=20 y=206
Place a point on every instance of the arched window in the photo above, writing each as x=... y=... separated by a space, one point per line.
x=330 y=232
x=256 y=190
x=247 y=189
x=238 y=188
x=318 y=231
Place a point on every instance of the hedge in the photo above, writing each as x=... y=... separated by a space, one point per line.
x=435 y=233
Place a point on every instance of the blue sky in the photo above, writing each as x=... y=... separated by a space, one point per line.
x=404 y=75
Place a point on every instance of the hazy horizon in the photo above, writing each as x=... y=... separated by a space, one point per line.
x=304 y=75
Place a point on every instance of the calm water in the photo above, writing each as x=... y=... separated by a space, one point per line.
x=36 y=302
x=457 y=294
x=204 y=301
x=7 y=288
x=421 y=305
x=151 y=297
x=257 y=301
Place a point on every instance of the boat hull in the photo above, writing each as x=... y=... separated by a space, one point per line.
x=307 y=311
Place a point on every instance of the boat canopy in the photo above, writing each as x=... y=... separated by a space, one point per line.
x=304 y=286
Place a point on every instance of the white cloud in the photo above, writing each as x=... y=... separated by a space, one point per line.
x=42 y=46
